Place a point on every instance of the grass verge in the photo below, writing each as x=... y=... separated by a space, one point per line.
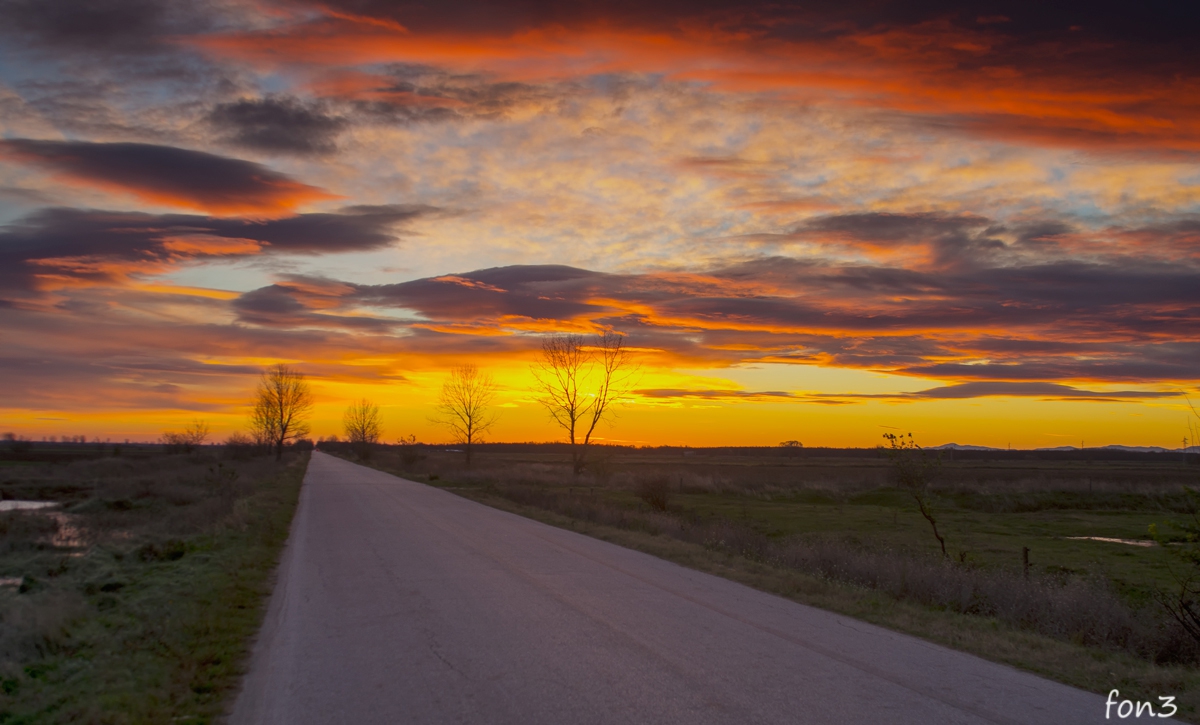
x=138 y=603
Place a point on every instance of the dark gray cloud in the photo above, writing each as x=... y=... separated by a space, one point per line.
x=409 y=93
x=1043 y=236
x=1068 y=321
x=1025 y=22
x=954 y=239
x=278 y=124
x=1136 y=364
x=284 y=307
x=167 y=174
x=896 y=228
x=124 y=26
x=1125 y=290
x=116 y=243
x=540 y=292
x=140 y=47
x=1032 y=390
x=1130 y=296
x=961 y=391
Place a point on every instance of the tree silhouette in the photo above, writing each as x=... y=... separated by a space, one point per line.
x=362 y=426
x=578 y=383
x=914 y=471
x=282 y=403
x=463 y=406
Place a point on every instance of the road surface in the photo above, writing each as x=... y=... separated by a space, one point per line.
x=400 y=603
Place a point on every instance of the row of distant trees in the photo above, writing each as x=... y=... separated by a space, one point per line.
x=578 y=379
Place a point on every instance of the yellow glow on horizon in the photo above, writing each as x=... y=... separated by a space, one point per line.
x=408 y=408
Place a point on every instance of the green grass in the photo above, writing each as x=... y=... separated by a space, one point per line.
x=887 y=518
x=977 y=524
x=151 y=620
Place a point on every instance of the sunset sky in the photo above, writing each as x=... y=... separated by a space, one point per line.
x=979 y=222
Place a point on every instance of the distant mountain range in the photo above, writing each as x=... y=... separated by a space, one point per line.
x=1134 y=449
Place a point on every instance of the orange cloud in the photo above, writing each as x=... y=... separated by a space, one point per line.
x=274 y=198
x=210 y=245
x=978 y=79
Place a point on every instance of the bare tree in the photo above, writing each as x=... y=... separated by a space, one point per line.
x=578 y=380
x=196 y=432
x=282 y=404
x=463 y=405
x=914 y=472
x=192 y=436
x=362 y=426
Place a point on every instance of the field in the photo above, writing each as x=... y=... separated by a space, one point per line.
x=134 y=598
x=832 y=529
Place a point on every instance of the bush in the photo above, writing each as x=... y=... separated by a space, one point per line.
x=655 y=491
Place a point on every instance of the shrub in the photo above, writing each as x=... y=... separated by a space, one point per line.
x=655 y=491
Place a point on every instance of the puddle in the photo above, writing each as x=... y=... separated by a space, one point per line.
x=26 y=505
x=69 y=534
x=1127 y=542
x=11 y=581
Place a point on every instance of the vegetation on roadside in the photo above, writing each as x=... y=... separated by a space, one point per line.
x=851 y=537
x=135 y=598
x=1181 y=537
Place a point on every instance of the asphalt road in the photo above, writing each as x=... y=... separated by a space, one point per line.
x=400 y=603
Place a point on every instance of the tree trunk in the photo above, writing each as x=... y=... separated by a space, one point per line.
x=578 y=458
x=929 y=517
